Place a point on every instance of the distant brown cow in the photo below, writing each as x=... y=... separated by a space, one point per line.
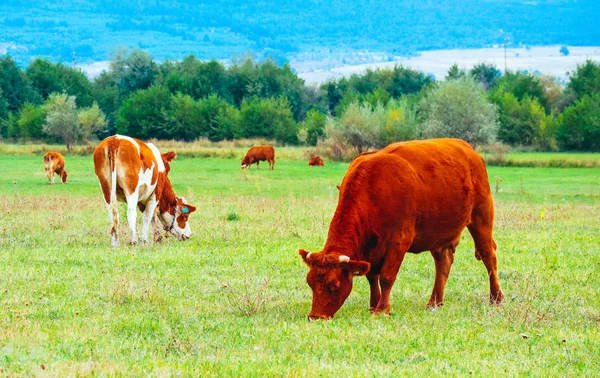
x=257 y=154
x=54 y=162
x=316 y=161
x=409 y=197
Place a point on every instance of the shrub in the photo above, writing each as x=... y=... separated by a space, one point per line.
x=459 y=108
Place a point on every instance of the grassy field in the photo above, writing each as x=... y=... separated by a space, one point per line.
x=233 y=300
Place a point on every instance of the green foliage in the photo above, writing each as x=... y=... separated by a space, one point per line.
x=47 y=78
x=11 y=126
x=585 y=80
x=373 y=86
x=61 y=119
x=523 y=85
x=195 y=78
x=145 y=114
x=363 y=127
x=31 y=121
x=486 y=74
x=93 y=121
x=459 y=108
x=268 y=118
x=133 y=70
x=455 y=73
x=401 y=122
x=579 y=125
x=15 y=87
x=313 y=126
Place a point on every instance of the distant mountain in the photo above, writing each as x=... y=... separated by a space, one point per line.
x=220 y=29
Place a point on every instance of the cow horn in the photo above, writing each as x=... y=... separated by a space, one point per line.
x=344 y=259
x=308 y=256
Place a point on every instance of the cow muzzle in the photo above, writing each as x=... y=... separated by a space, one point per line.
x=314 y=318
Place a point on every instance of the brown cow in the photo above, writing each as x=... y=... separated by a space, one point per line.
x=409 y=197
x=135 y=172
x=257 y=154
x=316 y=161
x=54 y=162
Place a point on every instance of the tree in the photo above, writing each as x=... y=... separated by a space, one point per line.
x=314 y=126
x=401 y=122
x=460 y=109
x=585 y=80
x=31 y=120
x=47 y=78
x=133 y=70
x=455 y=73
x=61 y=119
x=15 y=87
x=486 y=74
x=92 y=120
x=268 y=118
x=523 y=85
x=145 y=114
x=579 y=125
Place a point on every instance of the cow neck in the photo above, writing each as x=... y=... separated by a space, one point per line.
x=348 y=231
x=166 y=196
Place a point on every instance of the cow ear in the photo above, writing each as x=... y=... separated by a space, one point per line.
x=358 y=268
x=304 y=255
x=169 y=156
x=187 y=209
x=338 y=187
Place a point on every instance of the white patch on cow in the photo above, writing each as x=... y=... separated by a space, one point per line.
x=158 y=157
x=145 y=188
x=130 y=140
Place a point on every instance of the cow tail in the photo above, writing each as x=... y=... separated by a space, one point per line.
x=112 y=147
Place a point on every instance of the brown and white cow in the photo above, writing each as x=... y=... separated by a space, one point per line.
x=257 y=154
x=409 y=197
x=316 y=161
x=135 y=172
x=54 y=162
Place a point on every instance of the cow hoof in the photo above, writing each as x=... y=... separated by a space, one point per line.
x=133 y=243
x=384 y=311
x=497 y=299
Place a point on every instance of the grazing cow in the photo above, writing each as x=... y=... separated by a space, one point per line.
x=316 y=161
x=409 y=197
x=54 y=162
x=135 y=172
x=257 y=154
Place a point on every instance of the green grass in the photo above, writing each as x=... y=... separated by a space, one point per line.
x=233 y=300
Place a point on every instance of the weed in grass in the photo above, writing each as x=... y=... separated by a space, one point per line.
x=248 y=299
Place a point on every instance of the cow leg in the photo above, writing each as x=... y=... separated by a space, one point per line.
x=132 y=201
x=113 y=216
x=272 y=164
x=51 y=177
x=257 y=164
x=375 y=291
x=443 y=262
x=147 y=216
x=485 y=250
x=389 y=271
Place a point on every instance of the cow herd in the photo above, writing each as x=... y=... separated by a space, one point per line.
x=408 y=197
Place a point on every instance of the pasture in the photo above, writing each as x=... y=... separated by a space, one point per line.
x=233 y=300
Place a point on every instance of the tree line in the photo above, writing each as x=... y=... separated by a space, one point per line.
x=191 y=99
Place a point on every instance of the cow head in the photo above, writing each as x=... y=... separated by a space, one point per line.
x=176 y=218
x=330 y=278
x=63 y=176
x=246 y=161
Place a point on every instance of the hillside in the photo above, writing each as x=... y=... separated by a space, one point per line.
x=225 y=28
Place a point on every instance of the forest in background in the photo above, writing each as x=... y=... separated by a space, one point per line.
x=192 y=99
x=221 y=29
